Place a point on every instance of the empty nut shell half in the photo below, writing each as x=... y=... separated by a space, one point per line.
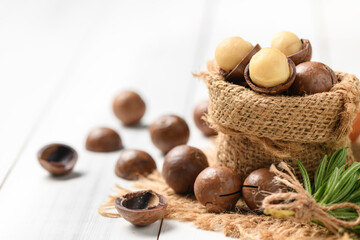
x=236 y=75
x=304 y=54
x=141 y=208
x=272 y=90
x=134 y=163
x=103 y=139
x=58 y=159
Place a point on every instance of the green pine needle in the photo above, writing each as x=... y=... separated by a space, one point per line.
x=334 y=183
x=305 y=175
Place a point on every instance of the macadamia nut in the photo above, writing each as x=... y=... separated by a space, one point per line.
x=287 y=42
x=269 y=67
x=231 y=51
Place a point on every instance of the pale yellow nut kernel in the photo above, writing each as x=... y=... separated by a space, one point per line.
x=269 y=67
x=231 y=51
x=287 y=42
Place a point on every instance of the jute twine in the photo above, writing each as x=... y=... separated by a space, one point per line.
x=257 y=130
x=242 y=223
x=305 y=208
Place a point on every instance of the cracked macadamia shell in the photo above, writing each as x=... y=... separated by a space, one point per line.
x=287 y=42
x=264 y=180
x=141 y=208
x=217 y=188
x=58 y=159
x=269 y=67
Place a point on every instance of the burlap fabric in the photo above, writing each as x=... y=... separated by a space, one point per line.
x=242 y=223
x=256 y=130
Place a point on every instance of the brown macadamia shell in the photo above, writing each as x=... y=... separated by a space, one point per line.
x=58 y=159
x=272 y=90
x=311 y=78
x=134 y=163
x=304 y=54
x=141 y=208
x=264 y=180
x=236 y=75
x=129 y=107
x=200 y=111
x=217 y=188
x=169 y=131
x=103 y=139
x=182 y=165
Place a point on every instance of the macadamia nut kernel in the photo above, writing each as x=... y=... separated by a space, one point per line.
x=231 y=51
x=269 y=67
x=287 y=42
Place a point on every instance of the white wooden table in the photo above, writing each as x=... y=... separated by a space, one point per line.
x=62 y=62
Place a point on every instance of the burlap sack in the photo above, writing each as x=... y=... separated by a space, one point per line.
x=256 y=130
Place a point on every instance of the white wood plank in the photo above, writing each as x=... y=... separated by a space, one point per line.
x=40 y=46
x=153 y=54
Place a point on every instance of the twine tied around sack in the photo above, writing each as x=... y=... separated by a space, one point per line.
x=302 y=206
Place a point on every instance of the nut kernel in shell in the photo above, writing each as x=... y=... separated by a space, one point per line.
x=269 y=67
x=272 y=90
x=134 y=163
x=236 y=75
x=230 y=51
x=287 y=42
x=304 y=55
x=217 y=188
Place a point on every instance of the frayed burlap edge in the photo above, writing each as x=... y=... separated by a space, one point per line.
x=242 y=224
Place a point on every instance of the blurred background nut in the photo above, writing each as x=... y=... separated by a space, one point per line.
x=129 y=107
x=103 y=139
x=134 y=163
x=201 y=109
x=169 y=131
